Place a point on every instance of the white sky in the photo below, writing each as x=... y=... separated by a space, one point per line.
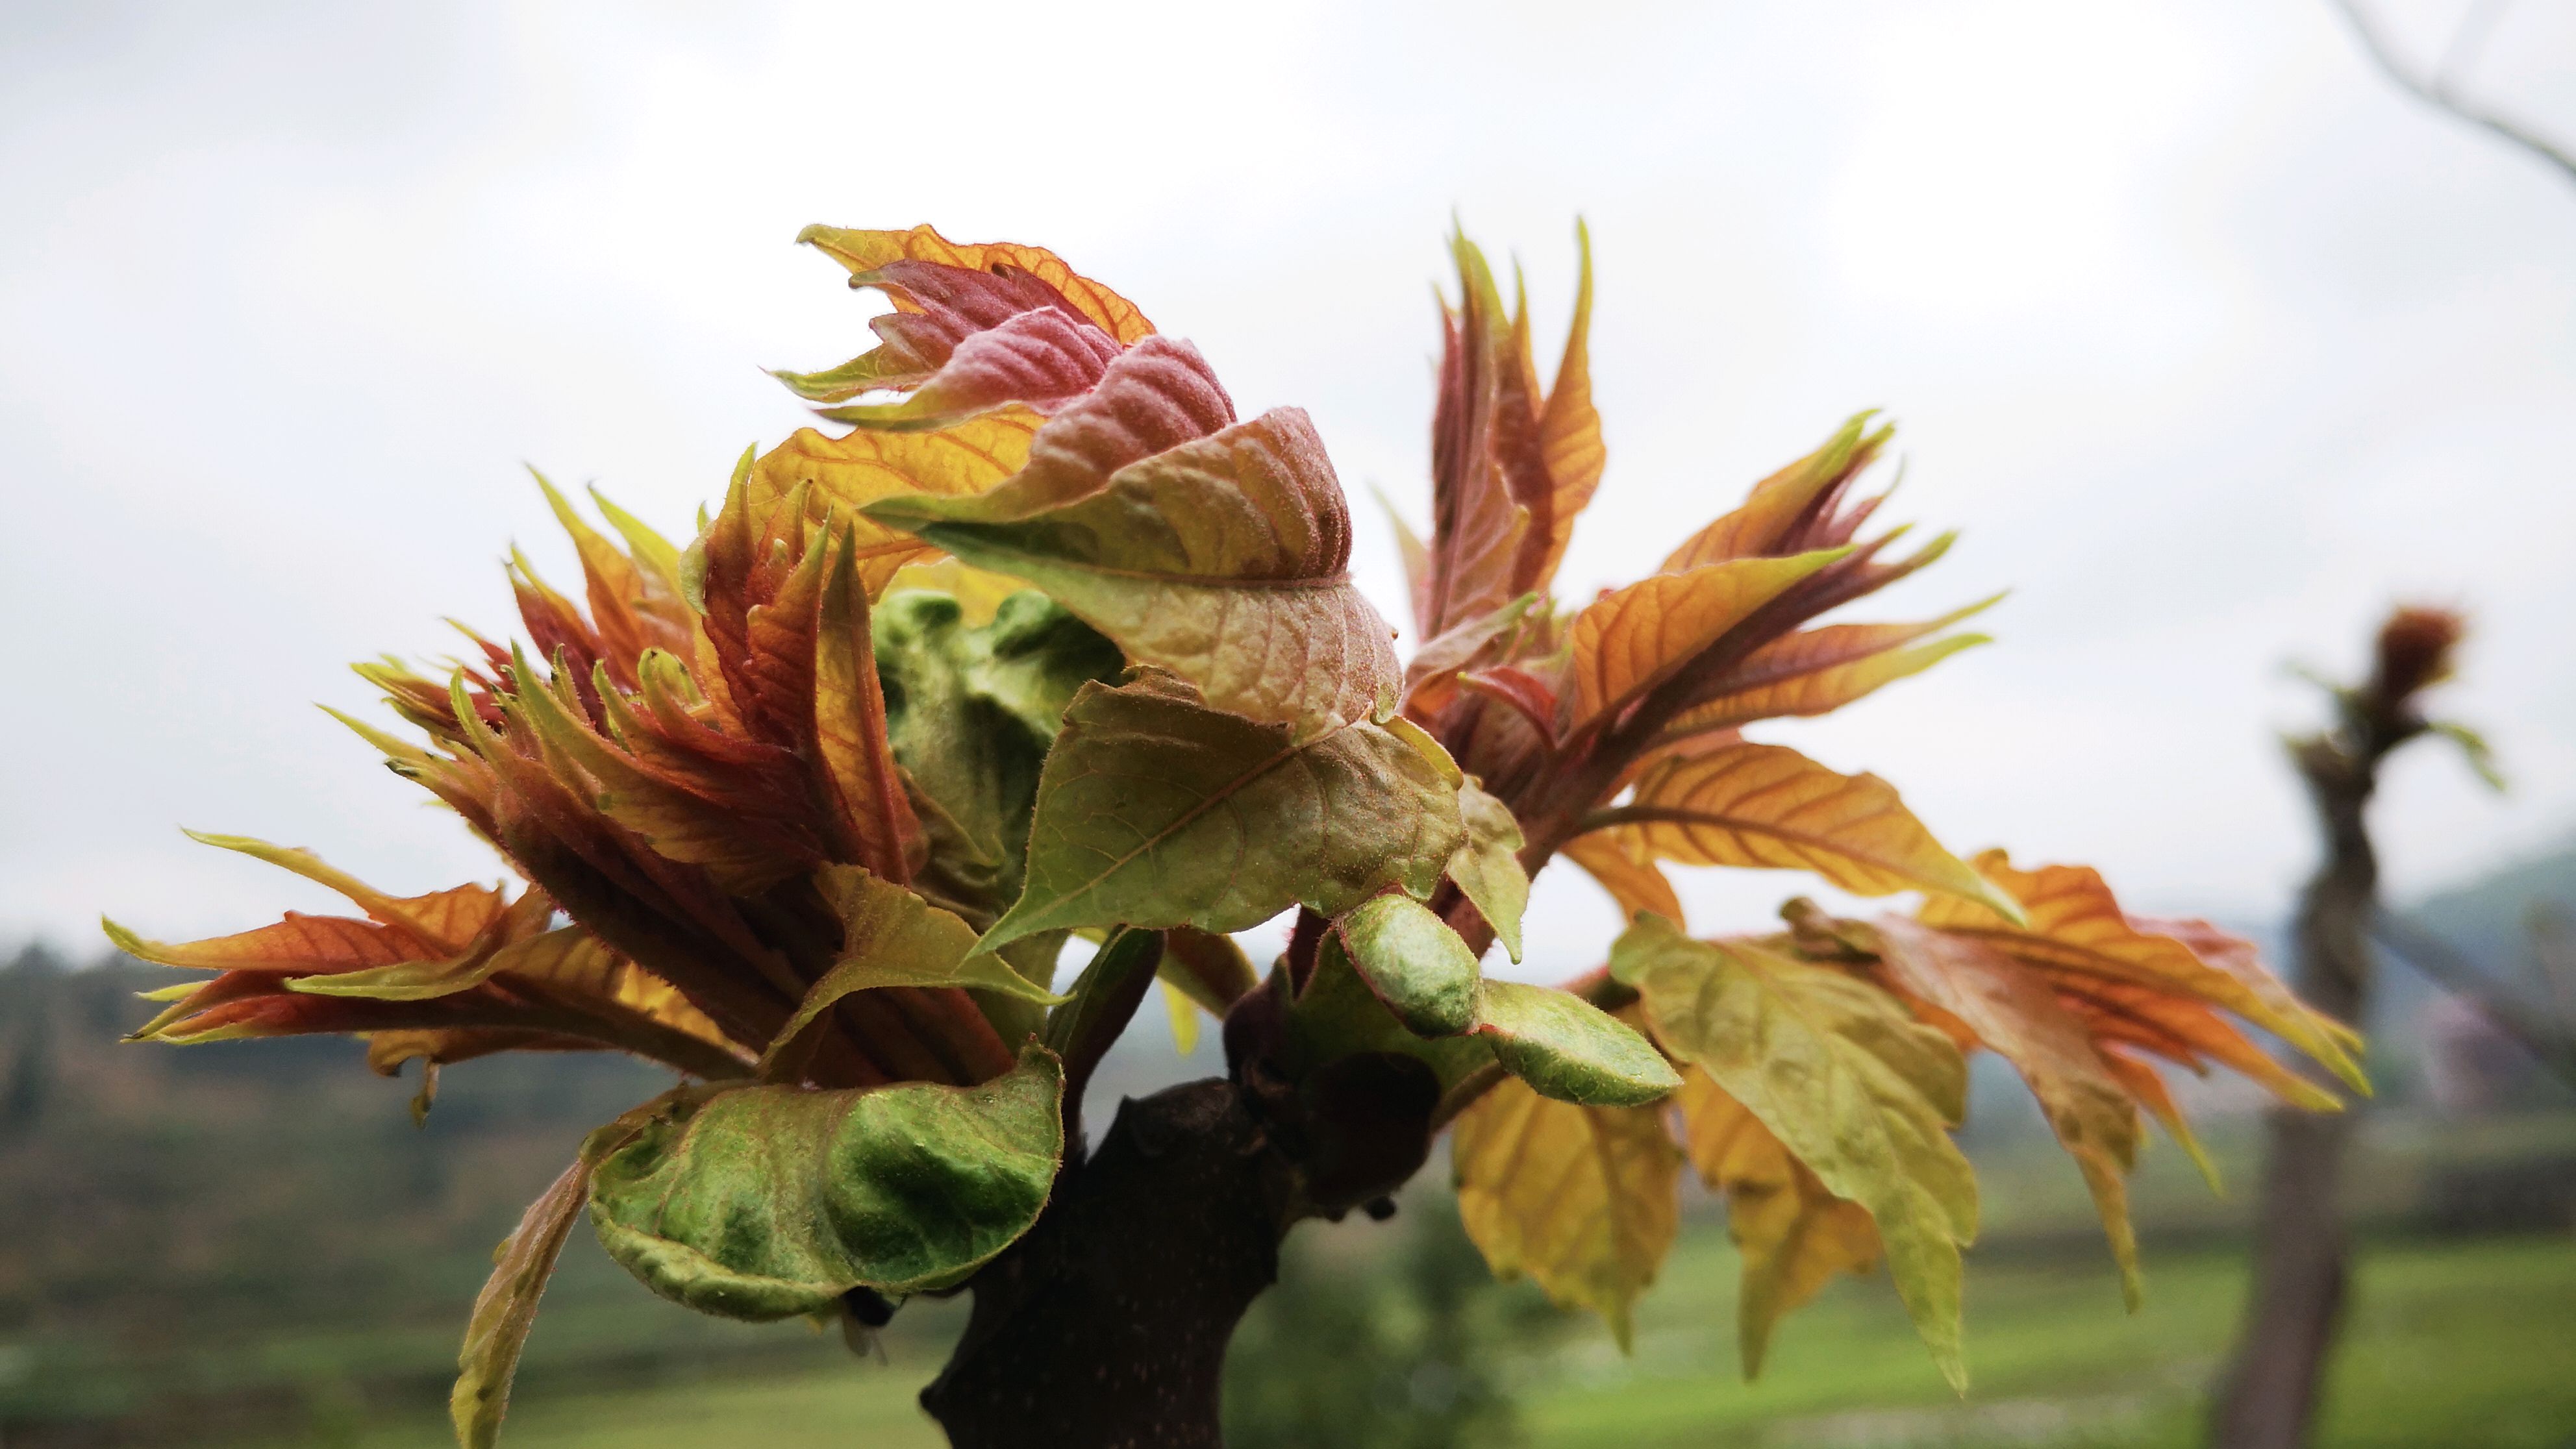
x=2211 y=341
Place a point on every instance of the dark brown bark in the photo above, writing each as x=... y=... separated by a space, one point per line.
x=1106 y=1327
x=2268 y=1395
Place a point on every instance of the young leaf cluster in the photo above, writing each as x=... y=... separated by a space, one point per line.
x=1050 y=641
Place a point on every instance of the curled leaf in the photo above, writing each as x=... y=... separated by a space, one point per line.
x=1568 y=1049
x=891 y=937
x=506 y=1309
x=1223 y=558
x=768 y=1202
x=1417 y=965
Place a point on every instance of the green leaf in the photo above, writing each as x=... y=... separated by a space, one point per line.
x=2473 y=748
x=1569 y=1049
x=1338 y=1016
x=891 y=937
x=1488 y=866
x=507 y=1308
x=1223 y=559
x=1840 y=1072
x=1155 y=810
x=1417 y=965
x=768 y=1202
x=971 y=713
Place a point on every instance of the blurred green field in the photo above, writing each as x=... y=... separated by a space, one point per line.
x=2466 y=1344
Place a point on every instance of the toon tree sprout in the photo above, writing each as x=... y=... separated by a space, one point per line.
x=1049 y=642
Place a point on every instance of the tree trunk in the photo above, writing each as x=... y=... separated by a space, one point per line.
x=1106 y=1326
x=2268 y=1396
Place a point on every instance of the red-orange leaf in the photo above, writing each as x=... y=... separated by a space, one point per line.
x=2156 y=986
x=1632 y=880
x=875 y=816
x=1769 y=807
x=866 y=251
x=2012 y=1010
x=1787 y=506
x=1569 y=433
x=1629 y=641
x=1816 y=671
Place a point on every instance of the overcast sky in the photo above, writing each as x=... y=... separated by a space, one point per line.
x=2210 y=341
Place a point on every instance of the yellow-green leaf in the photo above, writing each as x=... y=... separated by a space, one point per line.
x=891 y=937
x=1778 y=501
x=1568 y=1049
x=1839 y=1071
x=1155 y=810
x=768 y=1202
x=843 y=475
x=1792 y=1234
x=507 y=1308
x=1414 y=963
x=1184 y=1012
x=1223 y=559
x=1585 y=1200
x=1487 y=868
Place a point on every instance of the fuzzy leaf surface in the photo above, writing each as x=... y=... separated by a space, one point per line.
x=970 y=715
x=1155 y=810
x=1570 y=1050
x=766 y=1202
x=1417 y=965
x=1223 y=559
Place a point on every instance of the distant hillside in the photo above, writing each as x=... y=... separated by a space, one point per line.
x=2486 y=920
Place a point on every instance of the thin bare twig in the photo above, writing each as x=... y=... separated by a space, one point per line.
x=2441 y=90
x=2551 y=1043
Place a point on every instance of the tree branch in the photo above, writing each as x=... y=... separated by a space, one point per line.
x=2551 y=1044
x=2441 y=92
